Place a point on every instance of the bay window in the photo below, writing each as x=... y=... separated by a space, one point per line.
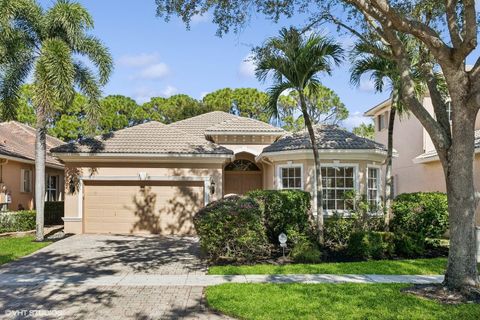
x=373 y=187
x=338 y=187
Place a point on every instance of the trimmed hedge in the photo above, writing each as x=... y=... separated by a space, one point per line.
x=371 y=245
x=232 y=229
x=17 y=221
x=54 y=212
x=283 y=211
x=421 y=213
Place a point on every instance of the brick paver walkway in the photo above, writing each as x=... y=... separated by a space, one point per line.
x=80 y=262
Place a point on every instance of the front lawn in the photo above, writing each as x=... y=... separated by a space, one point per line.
x=414 y=266
x=12 y=248
x=330 y=301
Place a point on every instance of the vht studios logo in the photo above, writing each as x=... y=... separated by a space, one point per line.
x=33 y=313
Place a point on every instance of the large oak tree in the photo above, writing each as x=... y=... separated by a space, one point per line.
x=447 y=31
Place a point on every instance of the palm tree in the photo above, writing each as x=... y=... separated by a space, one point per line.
x=295 y=62
x=48 y=43
x=383 y=70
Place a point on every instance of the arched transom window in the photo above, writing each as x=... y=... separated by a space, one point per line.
x=242 y=165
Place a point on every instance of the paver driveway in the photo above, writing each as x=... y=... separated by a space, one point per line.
x=90 y=256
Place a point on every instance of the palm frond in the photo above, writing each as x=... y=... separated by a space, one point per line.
x=57 y=70
x=98 y=54
x=274 y=94
x=88 y=84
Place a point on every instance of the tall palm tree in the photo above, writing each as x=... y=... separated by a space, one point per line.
x=383 y=72
x=49 y=43
x=295 y=62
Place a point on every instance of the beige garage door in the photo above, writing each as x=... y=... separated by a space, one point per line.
x=154 y=207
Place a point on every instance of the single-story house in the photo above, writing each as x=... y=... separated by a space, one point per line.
x=152 y=178
x=17 y=167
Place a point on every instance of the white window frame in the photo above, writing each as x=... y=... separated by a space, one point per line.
x=22 y=180
x=356 y=180
x=381 y=121
x=379 y=182
x=289 y=166
x=48 y=189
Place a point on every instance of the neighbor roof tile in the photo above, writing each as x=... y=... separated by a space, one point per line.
x=18 y=140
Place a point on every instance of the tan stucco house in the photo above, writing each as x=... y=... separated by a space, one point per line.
x=152 y=178
x=17 y=168
x=416 y=166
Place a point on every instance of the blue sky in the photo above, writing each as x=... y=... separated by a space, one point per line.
x=156 y=58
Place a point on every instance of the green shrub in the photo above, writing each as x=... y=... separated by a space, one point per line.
x=54 y=212
x=338 y=228
x=370 y=245
x=337 y=231
x=409 y=245
x=284 y=211
x=306 y=254
x=17 y=221
x=232 y=229
x=304 y=248
x=422 y=213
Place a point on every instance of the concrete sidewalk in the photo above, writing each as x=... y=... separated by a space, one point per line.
x=193 y=280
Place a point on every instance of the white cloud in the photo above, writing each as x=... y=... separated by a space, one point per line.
x=200 y=18
x=355 y=119
x=144 y=93
x=169 y=91
x=247 y=67
x=367 y=85
x=203 y=94
x=139 y=60
x=154 y=71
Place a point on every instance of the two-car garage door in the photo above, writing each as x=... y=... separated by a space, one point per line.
x=141 y=207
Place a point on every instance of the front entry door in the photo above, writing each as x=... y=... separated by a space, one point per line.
x=241 y=182
x=242 y=176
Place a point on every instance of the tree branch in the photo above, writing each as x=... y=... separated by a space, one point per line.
x=452 y=18
x=438 y=134
x=388 y=17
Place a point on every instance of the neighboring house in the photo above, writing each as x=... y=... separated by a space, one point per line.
x=152 y=178
x=17 y=167
x=416 y=166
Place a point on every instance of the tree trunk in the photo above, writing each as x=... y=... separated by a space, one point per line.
x=458 y=169
x=317 y=189
x=388 y=192
x=40 y=158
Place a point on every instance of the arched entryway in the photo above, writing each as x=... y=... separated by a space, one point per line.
x=243 y=175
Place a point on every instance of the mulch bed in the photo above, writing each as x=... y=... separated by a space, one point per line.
x=441 y=294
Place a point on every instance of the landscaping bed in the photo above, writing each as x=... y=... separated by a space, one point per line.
x=330 y=301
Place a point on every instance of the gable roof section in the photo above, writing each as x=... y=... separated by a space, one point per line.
x=17 y=140
x=243 y=125
x=218 y=122
x=153 y=138
x=372 y=111
x=328 y=138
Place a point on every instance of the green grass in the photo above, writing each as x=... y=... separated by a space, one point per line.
x=414 y=266
x=12 y=248
x=330 y=301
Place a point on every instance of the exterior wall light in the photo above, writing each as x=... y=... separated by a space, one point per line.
x=212 y=187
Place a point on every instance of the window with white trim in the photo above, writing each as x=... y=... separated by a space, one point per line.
x=373 y=187
x=52 y=188
x=381 y=121
x=338 y=185
x=291 y=177
x=26 y=180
